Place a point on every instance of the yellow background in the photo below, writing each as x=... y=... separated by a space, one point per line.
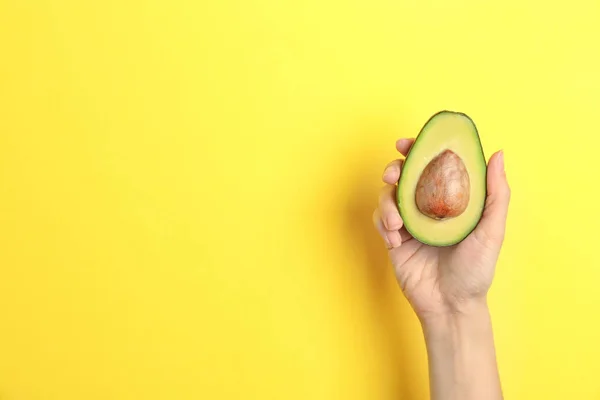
x=186 y=191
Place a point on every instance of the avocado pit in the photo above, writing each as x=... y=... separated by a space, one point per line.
x=443 y=189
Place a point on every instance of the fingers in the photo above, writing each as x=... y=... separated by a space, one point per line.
x=386 y=217
x=389 y=209
x=392 y=238
x=404 y=235
x=404 y=145
x=493 y=221
x=391 y=173
x=387 y=220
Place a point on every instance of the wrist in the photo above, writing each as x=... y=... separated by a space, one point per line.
x=460 y=348
x=457 y=313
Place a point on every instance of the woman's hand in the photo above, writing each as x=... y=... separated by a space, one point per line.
x=447 y=287
x=445 y=280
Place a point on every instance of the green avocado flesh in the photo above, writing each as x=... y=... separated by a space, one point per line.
x=442 y=189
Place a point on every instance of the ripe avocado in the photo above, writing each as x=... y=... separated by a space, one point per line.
x=442 y=189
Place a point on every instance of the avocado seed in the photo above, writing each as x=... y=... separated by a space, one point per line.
x=443 y=189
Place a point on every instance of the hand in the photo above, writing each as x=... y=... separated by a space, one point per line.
x=439 y=281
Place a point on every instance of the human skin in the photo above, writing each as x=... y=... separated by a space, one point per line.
x=447 y=287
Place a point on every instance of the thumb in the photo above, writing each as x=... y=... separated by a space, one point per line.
x=493 y=221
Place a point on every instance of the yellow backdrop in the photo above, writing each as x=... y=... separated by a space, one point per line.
x=186 y=191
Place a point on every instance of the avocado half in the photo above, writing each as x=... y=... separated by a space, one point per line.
x=442 y=189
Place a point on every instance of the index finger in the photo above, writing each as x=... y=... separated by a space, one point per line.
x=404 y=145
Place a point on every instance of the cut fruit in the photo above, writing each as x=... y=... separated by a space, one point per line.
x=442 y=189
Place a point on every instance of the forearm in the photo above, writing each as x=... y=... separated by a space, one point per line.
x=462 y=358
